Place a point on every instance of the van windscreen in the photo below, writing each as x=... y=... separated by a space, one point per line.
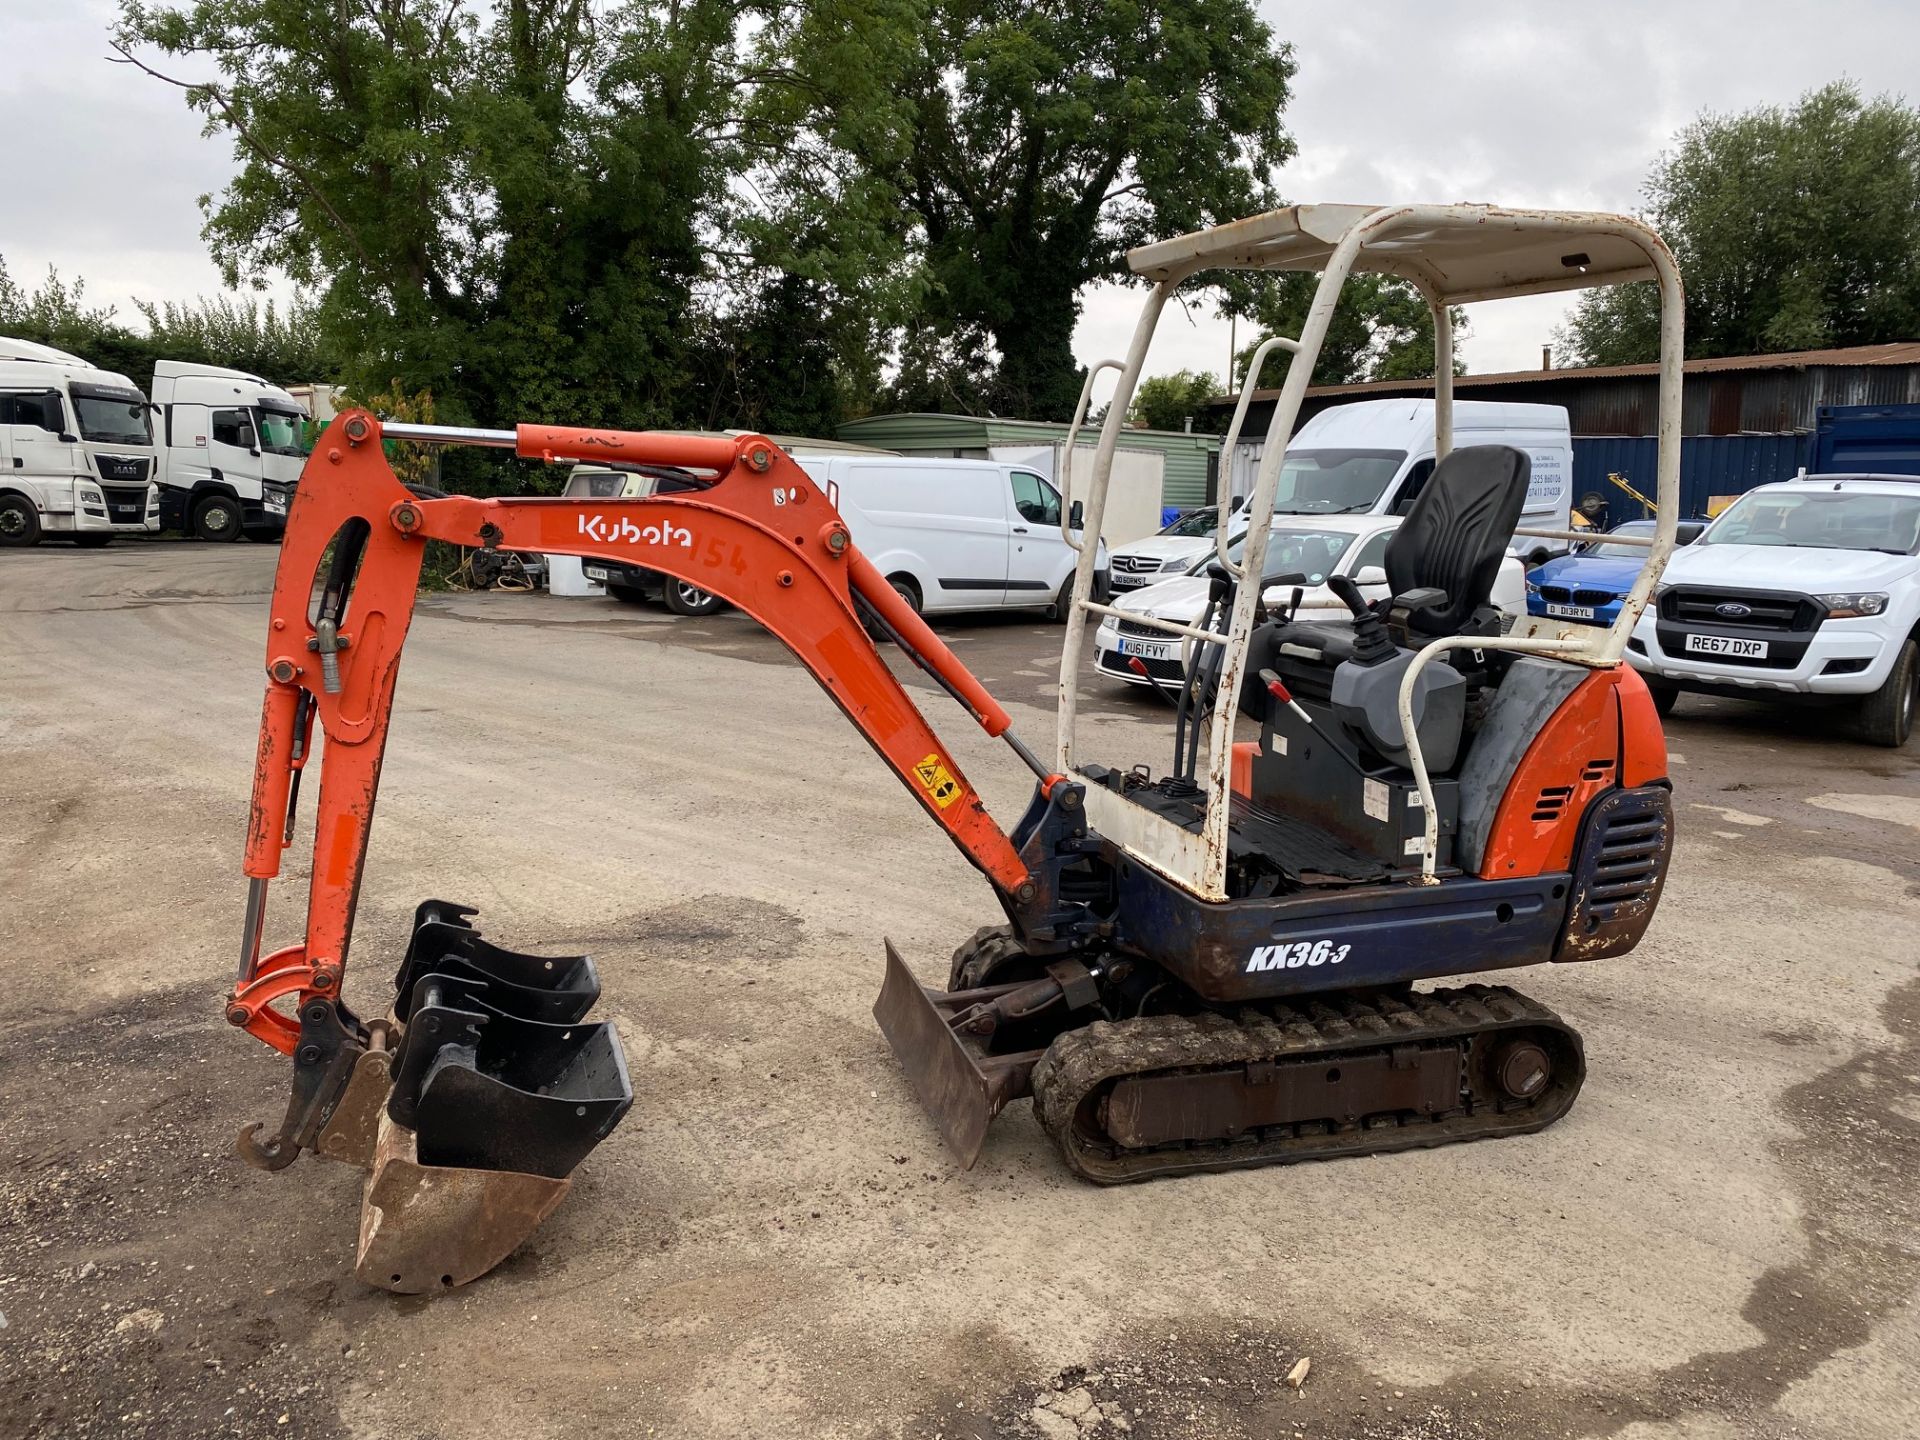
x=1334 y=482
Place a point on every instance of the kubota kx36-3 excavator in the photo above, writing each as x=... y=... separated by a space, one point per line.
x=1210 y=969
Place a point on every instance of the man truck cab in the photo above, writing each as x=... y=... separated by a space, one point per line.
x=231 y=449
x=76 y=451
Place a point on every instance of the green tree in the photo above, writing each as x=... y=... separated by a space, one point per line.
x=1168 y=402
x=1381 y=328
x=1022 y=149
x=1794 y=229
x=515 y=206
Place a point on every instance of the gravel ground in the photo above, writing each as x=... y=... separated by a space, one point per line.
x=1720 y=1240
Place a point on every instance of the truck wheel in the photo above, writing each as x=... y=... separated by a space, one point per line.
x=91 y=541
x=1664 y=697
x=19 y=525
x=1886 y=716
x=217 y=517
x=685 y=599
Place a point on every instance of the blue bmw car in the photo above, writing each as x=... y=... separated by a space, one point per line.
x=1588 y=584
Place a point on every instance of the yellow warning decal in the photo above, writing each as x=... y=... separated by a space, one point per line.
x=938 y=780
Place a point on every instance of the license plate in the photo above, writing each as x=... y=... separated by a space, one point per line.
x=1149 y=649
x=1570 y=612
x=1726 y=645
x=126 y=512
x=593 y=572
x=1120 y=580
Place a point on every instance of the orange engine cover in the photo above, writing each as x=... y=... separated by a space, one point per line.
x=1605 y=733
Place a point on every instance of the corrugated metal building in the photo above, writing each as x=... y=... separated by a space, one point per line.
x=1189 y=461
x=1746 y=419
x=1740 y=394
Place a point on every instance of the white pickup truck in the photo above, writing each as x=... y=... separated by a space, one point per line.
x=1808 y=590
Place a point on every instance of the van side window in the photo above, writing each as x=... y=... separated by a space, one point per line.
x=1035 y=499
x=1411 y=487
x=233 y=427
x=41 y=408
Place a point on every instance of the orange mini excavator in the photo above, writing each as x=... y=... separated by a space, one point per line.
x=1210 y=969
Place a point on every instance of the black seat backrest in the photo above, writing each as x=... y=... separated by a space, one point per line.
x=1457 y=533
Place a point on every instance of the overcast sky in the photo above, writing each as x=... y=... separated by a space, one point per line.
x=1519 y=103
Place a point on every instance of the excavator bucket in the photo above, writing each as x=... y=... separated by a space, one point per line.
x=488 y=1087
x=958 y=1081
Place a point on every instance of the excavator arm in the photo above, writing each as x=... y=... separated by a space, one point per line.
x=759 y=534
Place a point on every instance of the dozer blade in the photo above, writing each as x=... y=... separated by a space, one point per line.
x=431 y=1227
x=960 y=1085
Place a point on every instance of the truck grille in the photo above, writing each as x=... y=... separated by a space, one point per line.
x=122 y=467
x=1745 y=610
x=125 y=506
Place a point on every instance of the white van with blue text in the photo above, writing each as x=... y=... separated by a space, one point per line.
x=1370 y=457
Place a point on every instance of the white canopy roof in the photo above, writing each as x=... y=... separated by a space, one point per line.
x=1457 y=252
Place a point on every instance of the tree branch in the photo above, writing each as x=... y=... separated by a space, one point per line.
x=265 y=156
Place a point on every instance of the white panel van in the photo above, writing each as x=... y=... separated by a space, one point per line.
x=955 y=535
x=1370 y=457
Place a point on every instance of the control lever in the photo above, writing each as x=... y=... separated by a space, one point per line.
x=1371 y=643
x=1277 y=688
x=1348 y=594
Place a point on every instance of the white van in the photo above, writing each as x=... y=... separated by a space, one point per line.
x=955 y=535
x=76 y=452
x=1370 y=457
x=231 y=448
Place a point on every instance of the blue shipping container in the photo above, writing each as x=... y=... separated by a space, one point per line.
x=1710 y=465
x=1867 y=439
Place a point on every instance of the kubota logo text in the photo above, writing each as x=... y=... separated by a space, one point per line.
x=602 y=531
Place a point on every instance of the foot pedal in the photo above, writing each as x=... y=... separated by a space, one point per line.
x=501 y=1087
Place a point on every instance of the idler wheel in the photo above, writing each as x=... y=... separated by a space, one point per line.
x=1522 y=1070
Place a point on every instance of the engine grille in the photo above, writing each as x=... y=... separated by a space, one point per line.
x=1628 y=863
x=1137 y=564
x=1150 y=632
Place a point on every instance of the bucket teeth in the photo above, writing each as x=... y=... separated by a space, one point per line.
x=500 y=1088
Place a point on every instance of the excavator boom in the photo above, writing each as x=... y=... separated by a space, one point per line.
x=759 y=534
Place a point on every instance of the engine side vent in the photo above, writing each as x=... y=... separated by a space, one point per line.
x=1552 y=803
x=1619 y=868
x=1596 y=771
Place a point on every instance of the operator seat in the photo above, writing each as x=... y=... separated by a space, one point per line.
x=1441 y=564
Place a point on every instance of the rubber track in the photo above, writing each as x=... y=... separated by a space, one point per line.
x=1320 y=1028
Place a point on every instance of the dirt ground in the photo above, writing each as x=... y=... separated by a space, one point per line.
x=1722 y=1239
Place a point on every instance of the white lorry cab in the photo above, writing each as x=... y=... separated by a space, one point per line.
x=76 y=450
x=231 y=450
x=953 y=535
x=1371 y=457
